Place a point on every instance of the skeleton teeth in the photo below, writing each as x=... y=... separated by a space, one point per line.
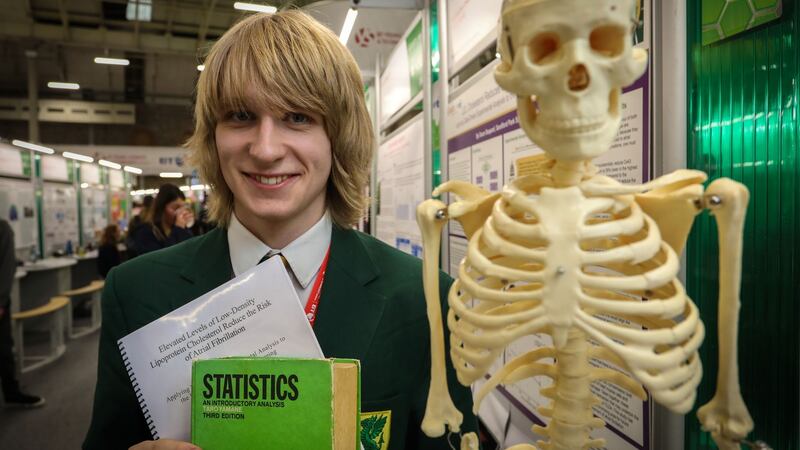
x=272 y=180
x=573 y=126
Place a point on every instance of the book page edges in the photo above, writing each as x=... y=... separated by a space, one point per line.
x=345 y=405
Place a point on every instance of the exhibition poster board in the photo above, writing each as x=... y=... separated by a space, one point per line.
x=89 y=173
x=59 y=216
x=401 y=81
x=56 y=168
x=119 y=208
x=401 y=187
x=94 y=212
x=484 y=139
x=116 y=178
x=471 y=27
x=18 y=207
x=14 y=162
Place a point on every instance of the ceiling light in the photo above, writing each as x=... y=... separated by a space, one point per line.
x=112 y=61
x=131 y=169
x=77 y=156
x=61 y=85
x=347 y=28
x=170 y=175
x=84 y=185
x=201 y=67
x=244 y=6
x=198 y=187
x=110 y=164
x=29 y=146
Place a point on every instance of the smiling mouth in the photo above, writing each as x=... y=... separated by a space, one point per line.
x=269 y=180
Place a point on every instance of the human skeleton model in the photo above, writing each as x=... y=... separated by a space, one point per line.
x=561 y=253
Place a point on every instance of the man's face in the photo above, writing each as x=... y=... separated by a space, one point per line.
x=276 y=167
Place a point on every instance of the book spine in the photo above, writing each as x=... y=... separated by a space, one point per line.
x=138 y=390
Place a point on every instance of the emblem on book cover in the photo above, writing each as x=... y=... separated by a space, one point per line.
x=375 y=429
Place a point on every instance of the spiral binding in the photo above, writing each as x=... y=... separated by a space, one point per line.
x=138 y=391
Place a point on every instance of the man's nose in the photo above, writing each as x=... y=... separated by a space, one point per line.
x=269 y=140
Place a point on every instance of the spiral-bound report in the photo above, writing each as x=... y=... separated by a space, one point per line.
x=256 y=314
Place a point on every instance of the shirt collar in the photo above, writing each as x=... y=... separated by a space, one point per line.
x=304 y=254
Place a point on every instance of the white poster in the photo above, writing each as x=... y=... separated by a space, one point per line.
x=401 y=187
x=94 y=213
x=399 y=77
x=55 y=168
x=11 y=161
x=18 y=207
x=471 y=27
x=59 y=217
x=116 y=178
x=90 y=173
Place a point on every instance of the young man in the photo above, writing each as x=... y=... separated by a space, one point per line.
x=283 y=136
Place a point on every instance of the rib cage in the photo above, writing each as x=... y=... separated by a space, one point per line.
x=505 y=290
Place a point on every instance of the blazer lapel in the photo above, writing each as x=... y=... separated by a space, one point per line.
x=349 y=312
x=210 y=267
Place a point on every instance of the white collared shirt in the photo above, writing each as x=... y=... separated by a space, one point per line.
x=304 y=254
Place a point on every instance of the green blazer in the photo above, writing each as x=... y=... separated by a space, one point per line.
x=372 y=308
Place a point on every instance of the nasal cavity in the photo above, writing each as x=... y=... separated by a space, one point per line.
x=578 y=78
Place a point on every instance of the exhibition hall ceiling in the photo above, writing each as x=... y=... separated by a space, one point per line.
x=165 y=40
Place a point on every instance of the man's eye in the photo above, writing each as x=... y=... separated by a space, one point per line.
x=298 y=118
x=241 y=116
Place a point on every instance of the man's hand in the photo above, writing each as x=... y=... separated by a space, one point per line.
x=164 y=444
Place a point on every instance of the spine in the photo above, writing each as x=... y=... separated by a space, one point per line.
x=138 y=390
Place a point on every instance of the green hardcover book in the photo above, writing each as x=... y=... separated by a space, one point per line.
x=276 y=403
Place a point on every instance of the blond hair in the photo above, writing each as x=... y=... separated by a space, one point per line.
x=295 y=64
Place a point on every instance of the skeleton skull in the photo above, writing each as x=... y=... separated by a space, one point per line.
x=574 y=57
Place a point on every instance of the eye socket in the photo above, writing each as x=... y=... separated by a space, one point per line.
x=240 y=116
x=544 y=47
x=608 y=40
x=297 y=118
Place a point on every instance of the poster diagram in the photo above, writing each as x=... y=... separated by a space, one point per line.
x=60 y=217
x=401 y=187
x=18 y=207
x=484 y=142
x=119 y=208
x=94 y=213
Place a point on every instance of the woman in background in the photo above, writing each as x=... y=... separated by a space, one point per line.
x=108 y=253
x=170 y=221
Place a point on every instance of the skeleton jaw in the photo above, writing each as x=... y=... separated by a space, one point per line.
x=571 y=139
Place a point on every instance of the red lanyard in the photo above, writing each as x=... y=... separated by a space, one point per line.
x=313 y=299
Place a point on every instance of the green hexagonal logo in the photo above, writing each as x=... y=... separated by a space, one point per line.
x=735 y=17
x=725 y=18
x=764 y=4
x=712 y=10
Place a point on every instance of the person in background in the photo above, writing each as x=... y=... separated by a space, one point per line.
x=12 y=395
x=137 y=221
x=202 y=224
x=170 y=221
x=108 y=254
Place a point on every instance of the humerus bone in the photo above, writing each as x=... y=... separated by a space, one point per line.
x=439 y=409
x=726 y=415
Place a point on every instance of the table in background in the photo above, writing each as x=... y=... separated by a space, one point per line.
x=85 y=271
x=45 y=279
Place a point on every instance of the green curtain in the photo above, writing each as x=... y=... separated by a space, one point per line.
x=743 y=124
